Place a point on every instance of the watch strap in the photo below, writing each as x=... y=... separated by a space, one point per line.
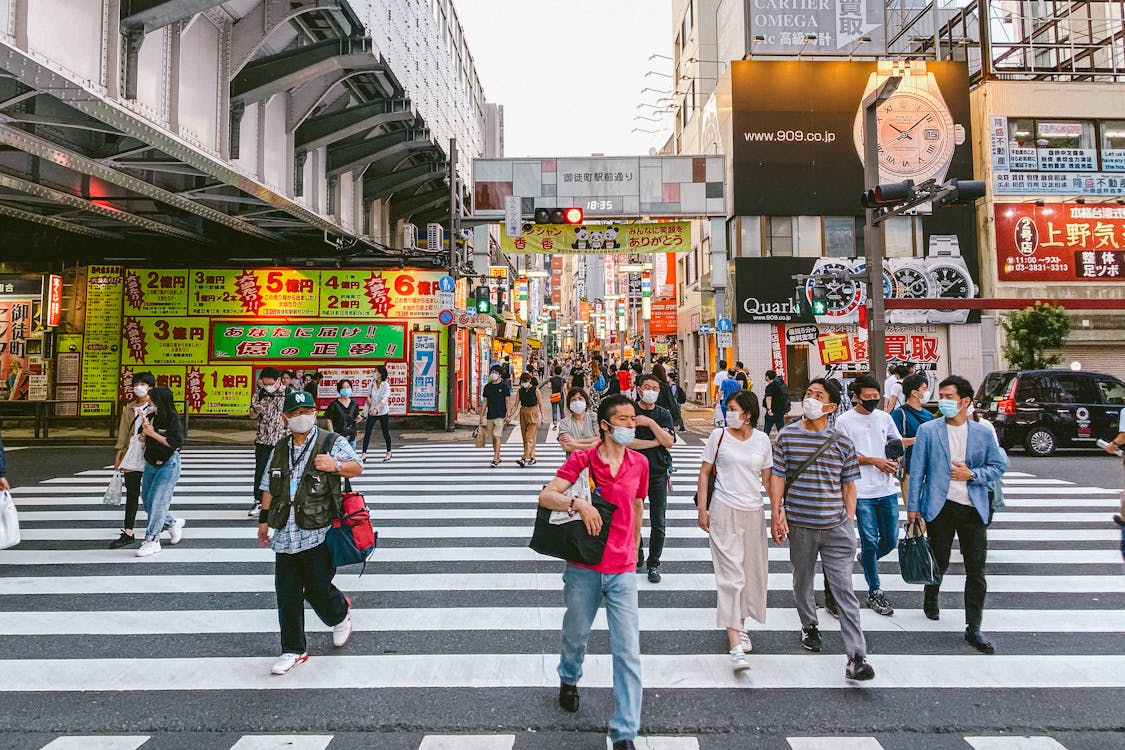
x=943 y=246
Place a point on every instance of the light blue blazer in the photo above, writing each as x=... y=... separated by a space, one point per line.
x=930 y=466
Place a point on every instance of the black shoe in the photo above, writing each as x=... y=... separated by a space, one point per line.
x=930 y=607
x=974 y=638
x=568 y=697
x=810 y=639
x=624 y=745
x=859 y=669
x=122 y=541
x=520 y=462
x=1117 y=519
x=654 y=574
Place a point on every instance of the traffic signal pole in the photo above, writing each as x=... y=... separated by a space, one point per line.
x=451 y=330
x=873 y=234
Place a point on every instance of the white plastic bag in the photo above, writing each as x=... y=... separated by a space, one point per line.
x=112 y=494
x=134 y=458
x=9 y=521
x=717 y=417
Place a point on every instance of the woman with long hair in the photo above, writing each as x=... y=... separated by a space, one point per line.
x=742 y=458
x=378 y=409
x=666 y=398
x=164 y=436
x=132 y=415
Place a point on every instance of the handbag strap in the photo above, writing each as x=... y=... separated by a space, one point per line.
x=715 y=463
x=828 y=441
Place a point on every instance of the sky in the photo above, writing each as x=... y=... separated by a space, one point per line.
x=570 y=72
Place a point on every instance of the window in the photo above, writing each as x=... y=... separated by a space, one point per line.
x=1113 y=392
x=1077 y=389
x=688 y=23
x=1113 y=145
x=692 y=271
x=840 y=236
x=1052 y=145
x=1034 y=388
x=779 y=236
x=898 y=237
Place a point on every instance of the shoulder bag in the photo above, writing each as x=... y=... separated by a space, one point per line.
x=351 y=538
x=562 y=535
x=916 y=558
x=833 y=436
x=714 y=474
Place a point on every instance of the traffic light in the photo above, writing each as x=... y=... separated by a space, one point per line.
x=819 y=300
x=570 y=215
x=483 y=303
x=890 y=193
x=965 y=191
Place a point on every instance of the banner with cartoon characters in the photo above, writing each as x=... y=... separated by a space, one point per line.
x=597 y=239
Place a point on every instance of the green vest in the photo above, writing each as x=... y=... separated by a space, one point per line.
x=318 y=492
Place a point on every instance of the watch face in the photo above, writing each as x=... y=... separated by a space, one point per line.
x=952 y=282
x=842 y=295
x=913 y=283
x=916 y=136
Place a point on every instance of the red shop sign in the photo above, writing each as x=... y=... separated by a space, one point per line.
x=1060 y=242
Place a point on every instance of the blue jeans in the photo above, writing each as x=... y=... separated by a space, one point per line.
x=583 y=592
x=557 y=411
x=157 y=485
x=877 y=518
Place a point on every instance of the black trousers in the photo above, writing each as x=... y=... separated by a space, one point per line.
x=776 y=419
x=306 y=576
x=261 y=460
x=657 y=517
x=384 y=421
x=972 y=537
x=132 y=497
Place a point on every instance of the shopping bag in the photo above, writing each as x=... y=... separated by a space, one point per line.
x=562 y=535
x=717 y=417
x=134 y=458
x=9 y=521
x=478 y=436
x=916 y=558
x=112 y=494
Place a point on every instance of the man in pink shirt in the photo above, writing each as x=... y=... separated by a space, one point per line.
x=621 y=478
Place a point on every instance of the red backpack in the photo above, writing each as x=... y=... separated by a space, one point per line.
x=352 y=538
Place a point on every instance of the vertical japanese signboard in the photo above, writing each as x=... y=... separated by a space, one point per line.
x=101 y=354
x=424 y=372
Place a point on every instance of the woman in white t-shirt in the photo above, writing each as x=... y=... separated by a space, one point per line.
x=378 y=409
x=742 y=457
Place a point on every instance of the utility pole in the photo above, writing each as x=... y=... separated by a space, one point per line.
x=451 y=329
x=873 y=233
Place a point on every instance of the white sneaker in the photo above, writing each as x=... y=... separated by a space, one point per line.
x=176 y=532
x=744 y=642
x=254 y=512
x=285 y=662
x=738 y=660
x=147 y=548
x=342 y=632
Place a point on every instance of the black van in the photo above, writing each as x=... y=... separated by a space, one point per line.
x=1043 y=410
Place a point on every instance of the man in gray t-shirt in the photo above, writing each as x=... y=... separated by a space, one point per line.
x=818 y=518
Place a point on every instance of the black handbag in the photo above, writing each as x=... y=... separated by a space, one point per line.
x=916 y=558
x=570 y=541
x=714 y=474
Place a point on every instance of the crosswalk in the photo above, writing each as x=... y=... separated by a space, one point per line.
x=454 y=599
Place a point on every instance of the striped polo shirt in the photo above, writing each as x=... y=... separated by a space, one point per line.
x=815 y=498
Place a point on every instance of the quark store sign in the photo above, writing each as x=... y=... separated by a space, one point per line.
x=816 y=27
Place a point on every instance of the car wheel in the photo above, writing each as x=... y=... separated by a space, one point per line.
x=1040 y=442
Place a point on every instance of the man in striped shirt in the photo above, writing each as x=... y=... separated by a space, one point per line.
x=818 y=517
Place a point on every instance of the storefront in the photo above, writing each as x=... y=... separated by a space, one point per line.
x=207 y=333
x=30 y=308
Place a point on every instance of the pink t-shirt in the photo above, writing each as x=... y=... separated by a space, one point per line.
x=630 y=484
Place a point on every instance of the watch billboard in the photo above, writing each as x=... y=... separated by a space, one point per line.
x=798 y=132
x=767 y=292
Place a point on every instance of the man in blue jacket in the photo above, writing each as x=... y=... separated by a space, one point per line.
x=954 y=460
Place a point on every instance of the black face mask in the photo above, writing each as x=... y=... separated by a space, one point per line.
x=870 y=404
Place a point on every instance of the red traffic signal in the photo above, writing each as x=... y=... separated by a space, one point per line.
x=572 y=215
x=889 y=193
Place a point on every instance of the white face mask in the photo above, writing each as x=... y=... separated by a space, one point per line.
x=734 y=420
x=301 y=423
x=140 y=390
x=812 y=408
x=578 y=406
x=494 y=377
x=649 y=397
x=271 y=388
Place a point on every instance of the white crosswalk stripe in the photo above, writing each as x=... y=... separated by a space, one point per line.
x=453 y=558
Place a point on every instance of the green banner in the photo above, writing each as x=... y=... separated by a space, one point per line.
x=314 y=341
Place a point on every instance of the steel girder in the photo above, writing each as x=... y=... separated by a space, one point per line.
x=108 y=212
x=402 y=180
x=56 y=223
x=254 y=29
x=345 y=157
x=324 y=130
x=150 y=15
x=287 y=70
x=417 y=204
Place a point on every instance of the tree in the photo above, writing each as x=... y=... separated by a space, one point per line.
x=1031 y=332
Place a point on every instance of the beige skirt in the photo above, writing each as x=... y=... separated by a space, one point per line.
x=740 y=554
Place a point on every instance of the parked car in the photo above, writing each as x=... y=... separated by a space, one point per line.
x=1044 y=410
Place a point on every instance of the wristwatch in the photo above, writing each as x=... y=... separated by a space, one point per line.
x=912 y=280
x=951 y=276
x=339 y=467
x=917 y=135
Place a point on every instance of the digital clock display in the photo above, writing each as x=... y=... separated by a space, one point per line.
x=594 y=205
